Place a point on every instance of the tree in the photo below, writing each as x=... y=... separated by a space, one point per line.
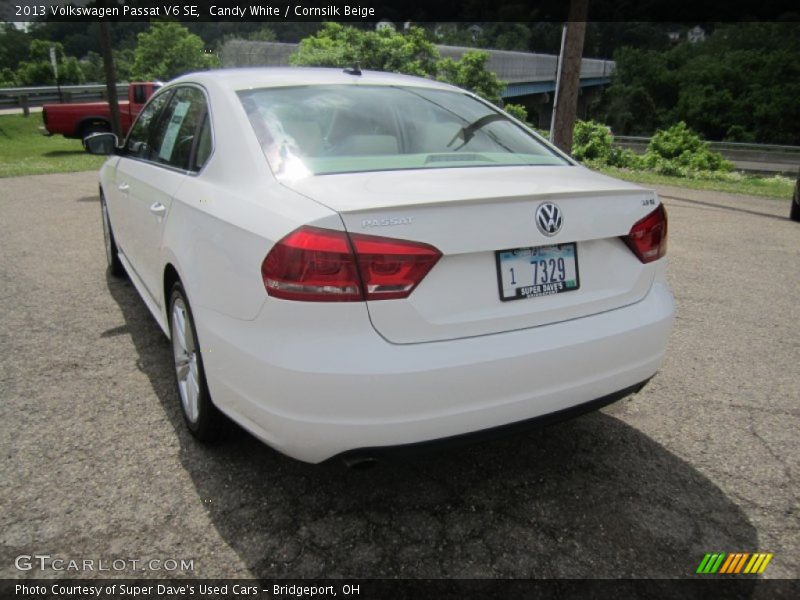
x=411 y=53
x=469 y=72
x=741 y=84
x=342 y=46
x=168 y=50
x=14 y=46
x=39 y=70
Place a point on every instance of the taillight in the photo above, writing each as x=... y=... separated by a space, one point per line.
x=648 y=237
x=323 y=265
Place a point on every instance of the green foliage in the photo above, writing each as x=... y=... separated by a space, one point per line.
x=262 y=34
x=168 y=50
x=342 y=46
x=742 y=83
x=25 y=151
x=411 y=53
x=94 y=69
x=519 y=112
x=501 y=36
x=678 y=150
x=592 y=143
x=7 y=77
x=776 y=186
x=14 y=45
x=38 y=70
x=470 y=72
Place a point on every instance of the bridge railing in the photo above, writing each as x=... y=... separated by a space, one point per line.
x=766 y=158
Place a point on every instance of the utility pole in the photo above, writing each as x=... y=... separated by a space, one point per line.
x=559 y=63
x=569 y=76
x=111 y=76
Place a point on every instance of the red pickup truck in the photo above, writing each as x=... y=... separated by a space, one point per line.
x=83 y=119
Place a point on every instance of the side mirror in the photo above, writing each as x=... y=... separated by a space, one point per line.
x=101 y=143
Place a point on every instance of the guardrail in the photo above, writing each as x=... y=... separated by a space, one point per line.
x=20 y=97
x=757 y=158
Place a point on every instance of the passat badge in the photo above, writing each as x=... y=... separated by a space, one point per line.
x=548 y=218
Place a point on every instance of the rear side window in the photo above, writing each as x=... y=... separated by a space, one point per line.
x=180 y=127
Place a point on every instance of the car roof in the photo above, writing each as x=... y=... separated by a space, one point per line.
x=252 y=78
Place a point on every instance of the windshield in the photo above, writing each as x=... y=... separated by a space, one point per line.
x=349 y=128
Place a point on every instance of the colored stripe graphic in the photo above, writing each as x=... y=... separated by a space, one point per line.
x=734 y=563
x=711 y=563
x=727 y=564
x=703 y=563
x=754 y=563
x=741 y=562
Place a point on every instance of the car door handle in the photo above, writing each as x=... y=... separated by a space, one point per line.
x=158 y=209
x=124 y=188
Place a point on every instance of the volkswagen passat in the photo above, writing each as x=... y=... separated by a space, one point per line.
x=347 y=261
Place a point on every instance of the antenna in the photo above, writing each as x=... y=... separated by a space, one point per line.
x=354 y=70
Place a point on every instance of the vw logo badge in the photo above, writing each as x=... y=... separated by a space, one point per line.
x=548 y=218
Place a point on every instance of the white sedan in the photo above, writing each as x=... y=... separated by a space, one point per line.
x=347 y=261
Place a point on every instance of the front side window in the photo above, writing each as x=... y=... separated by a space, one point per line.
x=139 y=143
x=349 y=128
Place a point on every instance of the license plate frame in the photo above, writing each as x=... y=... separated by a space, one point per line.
x=517 y=256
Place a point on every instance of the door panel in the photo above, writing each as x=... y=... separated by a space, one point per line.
x=158 y=162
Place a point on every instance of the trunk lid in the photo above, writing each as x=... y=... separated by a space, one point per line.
x=470 y=214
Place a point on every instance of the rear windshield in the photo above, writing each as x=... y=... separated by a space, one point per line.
x=350 y=128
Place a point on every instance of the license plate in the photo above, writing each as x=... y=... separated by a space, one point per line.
x=534 y=272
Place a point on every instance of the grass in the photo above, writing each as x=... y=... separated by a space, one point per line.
x=25 y=151
x=751 y=185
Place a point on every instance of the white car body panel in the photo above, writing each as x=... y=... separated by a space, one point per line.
x=459 y=297
x=315 y=379
x=313 y=396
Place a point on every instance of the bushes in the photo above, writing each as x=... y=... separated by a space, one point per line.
x=678 y=150
x=592 y=143
x=675 y=151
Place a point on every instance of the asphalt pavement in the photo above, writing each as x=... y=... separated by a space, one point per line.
x=97 y=464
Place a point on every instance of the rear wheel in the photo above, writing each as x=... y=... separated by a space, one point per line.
x=112 y=253
x=794 y=212
x=201 y=416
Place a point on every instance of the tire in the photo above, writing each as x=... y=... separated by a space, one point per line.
x=794 y=212
x=112 y=252
x=202 y=418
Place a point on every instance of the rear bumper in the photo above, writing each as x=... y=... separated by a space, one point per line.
x=317 y=387
x=474 y=437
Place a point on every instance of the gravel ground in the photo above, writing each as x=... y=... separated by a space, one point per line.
x=97 y=464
